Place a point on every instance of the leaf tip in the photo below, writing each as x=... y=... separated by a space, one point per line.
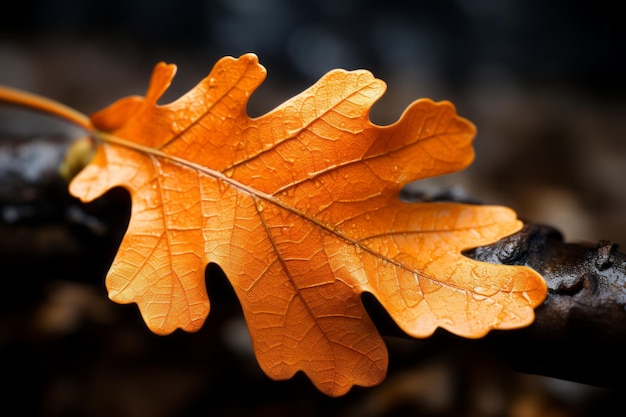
x=251 y=57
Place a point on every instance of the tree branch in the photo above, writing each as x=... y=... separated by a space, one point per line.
x=580 y=330
x=579 y=333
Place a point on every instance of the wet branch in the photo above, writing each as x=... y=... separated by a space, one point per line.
x=580 y=330
x=579 y=333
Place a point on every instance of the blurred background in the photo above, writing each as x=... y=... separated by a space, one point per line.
x=543 y=82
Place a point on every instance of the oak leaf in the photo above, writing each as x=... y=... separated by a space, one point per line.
x=300 y=209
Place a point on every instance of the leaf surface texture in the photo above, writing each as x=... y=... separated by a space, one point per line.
x=300 y=209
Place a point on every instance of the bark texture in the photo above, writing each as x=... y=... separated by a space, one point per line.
x=580 y=330
x=579 y=333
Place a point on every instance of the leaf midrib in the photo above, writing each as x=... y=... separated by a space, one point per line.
x=112 y=139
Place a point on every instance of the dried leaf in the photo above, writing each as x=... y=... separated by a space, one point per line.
x=300 y=209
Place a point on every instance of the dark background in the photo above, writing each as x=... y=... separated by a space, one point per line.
x=543 y=82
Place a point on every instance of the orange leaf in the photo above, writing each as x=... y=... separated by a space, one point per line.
x=300 y=209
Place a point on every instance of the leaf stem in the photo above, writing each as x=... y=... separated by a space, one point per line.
x=44 y=105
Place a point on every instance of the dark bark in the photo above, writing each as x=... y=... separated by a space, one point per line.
x=580 y=330
x=579 y=333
